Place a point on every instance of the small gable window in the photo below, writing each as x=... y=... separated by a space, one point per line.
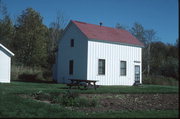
x=72 y=42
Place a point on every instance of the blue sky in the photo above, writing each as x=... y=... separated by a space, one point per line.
x=160 y=15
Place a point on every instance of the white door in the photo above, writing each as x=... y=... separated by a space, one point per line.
x=137 y=74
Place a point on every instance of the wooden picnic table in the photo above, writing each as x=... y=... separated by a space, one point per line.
x=85 y=83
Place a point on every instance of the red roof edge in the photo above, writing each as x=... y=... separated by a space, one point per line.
x=109 y=34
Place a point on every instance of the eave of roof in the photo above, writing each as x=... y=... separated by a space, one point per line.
x=11 y=54
x=119 y=43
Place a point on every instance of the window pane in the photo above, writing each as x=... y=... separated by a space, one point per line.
x=123 y=72
x=100 y=63
x=72 y=42
x=123 y=64
x=101 y=66
x=71 y=65
x=123 y=68
x=137 y=69
x=100 y=71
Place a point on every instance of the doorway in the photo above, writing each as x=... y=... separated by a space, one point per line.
x=137 y=74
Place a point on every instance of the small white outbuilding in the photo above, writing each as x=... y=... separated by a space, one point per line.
x=5 y=64
x=95 y=52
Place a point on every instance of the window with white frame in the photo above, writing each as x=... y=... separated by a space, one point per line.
x=123 y=68
x=101 y=66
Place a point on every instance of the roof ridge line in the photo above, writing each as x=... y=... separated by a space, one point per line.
x=97 y=25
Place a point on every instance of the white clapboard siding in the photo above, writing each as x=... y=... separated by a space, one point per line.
x=5 y=64
x=113 y=54
x=78 y=54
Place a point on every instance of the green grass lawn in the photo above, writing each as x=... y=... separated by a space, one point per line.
x=12 y=105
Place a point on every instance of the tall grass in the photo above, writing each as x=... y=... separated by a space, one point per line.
x=29 y=73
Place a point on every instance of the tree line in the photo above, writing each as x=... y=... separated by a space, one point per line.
x=35 y=45
x=158 y=58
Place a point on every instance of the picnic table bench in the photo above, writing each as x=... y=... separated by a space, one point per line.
x=86 y=83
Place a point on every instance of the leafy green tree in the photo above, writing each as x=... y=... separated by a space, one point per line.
x=6 y=27
x=177 y=48
x=170 y=67
x=158 y=57
x=30 y=43
x=164 y=60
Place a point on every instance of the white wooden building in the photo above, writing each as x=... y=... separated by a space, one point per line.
x=5 y=64
x=95 y=52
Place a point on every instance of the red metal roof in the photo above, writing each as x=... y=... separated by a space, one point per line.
x=98 y=32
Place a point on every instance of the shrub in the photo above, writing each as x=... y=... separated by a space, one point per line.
x=27 y=77
x=79 y=102
x=56 y=99
x=47 y=75
x=159 y=80
x=70 y=98
x=25 y=73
